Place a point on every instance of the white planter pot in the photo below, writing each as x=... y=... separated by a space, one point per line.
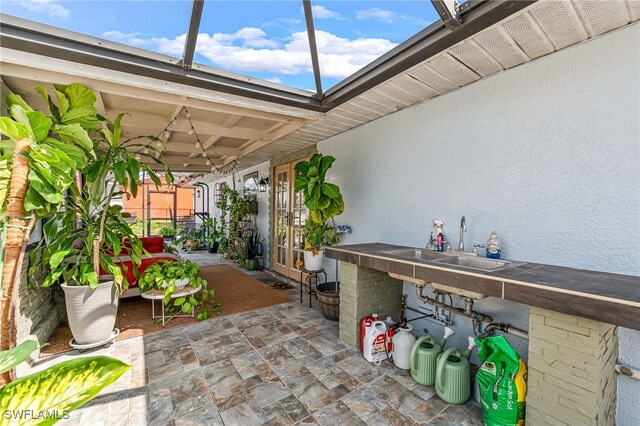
x=91 y=314
x=313 y=262
x=180 y=284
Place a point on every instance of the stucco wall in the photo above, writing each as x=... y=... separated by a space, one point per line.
x=547 y=154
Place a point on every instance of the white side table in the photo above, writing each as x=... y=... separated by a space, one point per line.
x=154 y=295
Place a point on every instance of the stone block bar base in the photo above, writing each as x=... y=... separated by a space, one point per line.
x=364 y=291
x=571 y=370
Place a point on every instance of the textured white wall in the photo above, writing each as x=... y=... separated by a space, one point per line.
x=546 y=153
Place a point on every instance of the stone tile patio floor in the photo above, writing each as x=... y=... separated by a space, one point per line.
x=280 y=365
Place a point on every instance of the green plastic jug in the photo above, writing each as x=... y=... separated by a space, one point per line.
x=424 y=356
x=453 y=375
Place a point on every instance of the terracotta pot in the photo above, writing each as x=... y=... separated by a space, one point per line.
x=91 y=314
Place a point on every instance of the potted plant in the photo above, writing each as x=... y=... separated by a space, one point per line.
x=39 y=160
x=172 y=277
x=211 y=234
x=251 y=251
x=317 y=237
x=233 y=209
x=83 y=241
x=324 y=201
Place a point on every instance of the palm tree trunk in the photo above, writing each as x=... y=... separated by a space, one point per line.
x=13 y=243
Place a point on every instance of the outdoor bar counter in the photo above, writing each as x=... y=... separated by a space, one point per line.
x=601 y=296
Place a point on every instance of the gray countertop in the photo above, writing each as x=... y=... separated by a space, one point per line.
x=606 y=297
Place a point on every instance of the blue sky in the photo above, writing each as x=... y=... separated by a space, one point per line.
x=264 y=39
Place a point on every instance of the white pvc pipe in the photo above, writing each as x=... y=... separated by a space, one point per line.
x=626 y=371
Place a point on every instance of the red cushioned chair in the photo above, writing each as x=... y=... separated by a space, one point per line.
x=155 y=246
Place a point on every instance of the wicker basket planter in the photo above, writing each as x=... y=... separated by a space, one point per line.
x=329 y=299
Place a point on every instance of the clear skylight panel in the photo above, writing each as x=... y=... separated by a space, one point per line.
x=352 y=34
x=262 y=39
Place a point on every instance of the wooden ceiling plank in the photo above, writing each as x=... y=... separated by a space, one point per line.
x=273 y=137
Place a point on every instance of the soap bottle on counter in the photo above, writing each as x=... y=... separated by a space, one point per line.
x=493 y=246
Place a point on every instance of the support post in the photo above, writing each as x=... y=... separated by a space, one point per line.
x=572 y=377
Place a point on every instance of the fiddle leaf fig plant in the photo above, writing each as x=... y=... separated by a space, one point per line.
x=323 y=199
x=319 y=236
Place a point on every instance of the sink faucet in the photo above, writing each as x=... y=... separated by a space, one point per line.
x=463 y=229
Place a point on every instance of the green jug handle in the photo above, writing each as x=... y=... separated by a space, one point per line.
x=440 y=368
x=416 y=345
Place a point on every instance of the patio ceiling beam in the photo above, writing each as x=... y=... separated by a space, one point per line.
x=192 y=34
x=313 y=48
x=429 y=42
x=48 y=41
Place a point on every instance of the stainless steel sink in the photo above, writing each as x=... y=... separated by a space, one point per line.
x=417 y=254
x=473 y=262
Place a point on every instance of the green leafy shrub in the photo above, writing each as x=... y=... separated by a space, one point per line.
x=168 y=231
x=163 y=275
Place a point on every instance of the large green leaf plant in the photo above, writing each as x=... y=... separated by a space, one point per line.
x=60 y=145
x=80 y=253
x=39 y=157
x=323 y=199
x=44 y=397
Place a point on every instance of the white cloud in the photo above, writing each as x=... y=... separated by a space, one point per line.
x=282 y=21
x=50 y=7
x=377 y=14
x=275 y=80
x=131 y=38
x=250 y=49
x=321 y=12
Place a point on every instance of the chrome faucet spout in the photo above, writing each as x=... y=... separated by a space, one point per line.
x=463 y=229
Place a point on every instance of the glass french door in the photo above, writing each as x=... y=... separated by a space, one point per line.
x=290 y=216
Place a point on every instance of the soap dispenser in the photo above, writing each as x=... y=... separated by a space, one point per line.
x=493 y=246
